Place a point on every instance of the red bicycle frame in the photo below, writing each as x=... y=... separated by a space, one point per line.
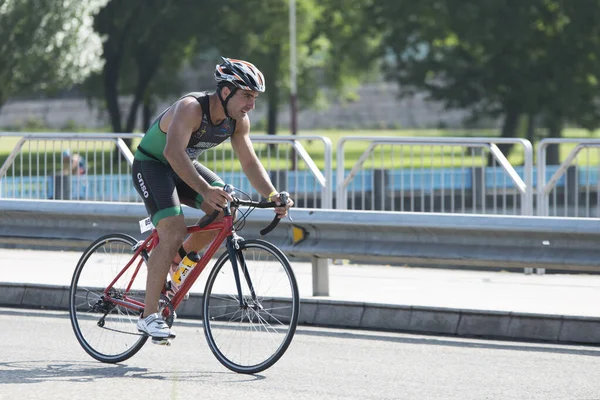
x=225 y=227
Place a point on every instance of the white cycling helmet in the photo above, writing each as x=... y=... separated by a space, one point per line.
x=242 y=74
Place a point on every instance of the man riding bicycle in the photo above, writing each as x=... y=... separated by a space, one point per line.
x=166 y=173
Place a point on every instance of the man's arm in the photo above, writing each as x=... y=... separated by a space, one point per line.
x=186 y=118
x=254 y=170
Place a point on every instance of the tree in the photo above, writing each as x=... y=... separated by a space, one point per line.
x=140 y=59
x=497 y=58
x=45 y=46
x=334 y=46
x=347 y=43
x=258 y=31
x=143 y=39
x=569 y=67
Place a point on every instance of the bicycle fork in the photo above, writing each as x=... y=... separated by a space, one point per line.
x=232 y=248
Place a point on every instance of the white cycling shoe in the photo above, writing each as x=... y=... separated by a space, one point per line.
x=154 y=326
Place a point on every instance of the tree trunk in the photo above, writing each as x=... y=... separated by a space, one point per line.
x=132 y=115
x=147 y=111
x=555 y=126
x=509 y=130
x=111 y=78
x=145 y=74
x=272 y=109
x=531 y=128
x=113 y=54
x=273 y=94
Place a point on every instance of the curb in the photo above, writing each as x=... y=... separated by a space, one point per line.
x=371 y=316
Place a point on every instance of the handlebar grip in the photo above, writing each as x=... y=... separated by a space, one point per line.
x=271 y=226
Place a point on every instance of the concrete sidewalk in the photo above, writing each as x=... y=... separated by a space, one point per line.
x=552 y=307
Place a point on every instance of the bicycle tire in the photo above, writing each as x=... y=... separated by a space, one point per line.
x=113 y=338
x=233 y=332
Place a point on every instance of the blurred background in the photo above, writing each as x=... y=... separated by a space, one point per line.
x=517 y=67
x=334 y=68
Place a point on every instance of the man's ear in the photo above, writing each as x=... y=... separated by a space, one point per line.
x=225 y=91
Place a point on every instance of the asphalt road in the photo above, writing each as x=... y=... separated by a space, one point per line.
x=41 y=359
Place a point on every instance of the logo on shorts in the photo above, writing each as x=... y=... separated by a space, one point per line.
x=142 y=185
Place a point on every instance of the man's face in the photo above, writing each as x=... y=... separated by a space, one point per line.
x=241 y=103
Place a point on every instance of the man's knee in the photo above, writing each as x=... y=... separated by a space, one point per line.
x=172 y=231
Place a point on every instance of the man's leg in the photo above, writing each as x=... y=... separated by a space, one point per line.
x=199 y=240
x=171 y=232
x=155 y=183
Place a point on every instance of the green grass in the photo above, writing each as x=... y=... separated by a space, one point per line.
x=416 y=156
x=354 y=149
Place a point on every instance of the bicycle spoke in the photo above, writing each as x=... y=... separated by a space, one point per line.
x=251 y=338
x=107 y=330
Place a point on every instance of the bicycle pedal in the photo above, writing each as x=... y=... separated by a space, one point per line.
x=161 y=341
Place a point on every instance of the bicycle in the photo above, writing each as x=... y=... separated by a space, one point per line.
x=250 y=302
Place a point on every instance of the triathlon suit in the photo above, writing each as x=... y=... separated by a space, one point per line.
x=162 y=190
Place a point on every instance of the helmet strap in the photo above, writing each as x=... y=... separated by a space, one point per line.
x=224 y=102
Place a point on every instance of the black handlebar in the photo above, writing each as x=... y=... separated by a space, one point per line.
x=283 y=196
x=261 y=204
x=271 y=226
x=250 y=203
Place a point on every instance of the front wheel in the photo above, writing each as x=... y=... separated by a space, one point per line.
x=250 y=334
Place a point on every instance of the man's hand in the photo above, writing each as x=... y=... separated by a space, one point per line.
x=216 y=197
x=279 y=198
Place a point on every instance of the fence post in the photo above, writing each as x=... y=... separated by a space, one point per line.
x=380 y=193
x=478 y=189
x=571 y=186
x=320 y=273
x=62 y=187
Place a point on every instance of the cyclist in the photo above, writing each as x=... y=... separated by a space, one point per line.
x=166 y=173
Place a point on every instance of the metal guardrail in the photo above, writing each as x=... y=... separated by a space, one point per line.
x=369 y=236
x=464 y=187
x=288 y=163
x=108 y=167
x=47 y=173
x=579 y=184
x=442 y=175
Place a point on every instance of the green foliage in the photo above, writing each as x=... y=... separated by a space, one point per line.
x=498 y=57
x=146 y=41
x=335 y=47
x=509 y=57
x=144 y=61
x=347 y=43
x=258 y=31
x=45 y=45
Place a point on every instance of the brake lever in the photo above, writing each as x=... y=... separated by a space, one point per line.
x=284 y=197
x=229 y=189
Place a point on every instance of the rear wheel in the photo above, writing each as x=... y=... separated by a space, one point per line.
x=107 y=331
x=251 y=337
